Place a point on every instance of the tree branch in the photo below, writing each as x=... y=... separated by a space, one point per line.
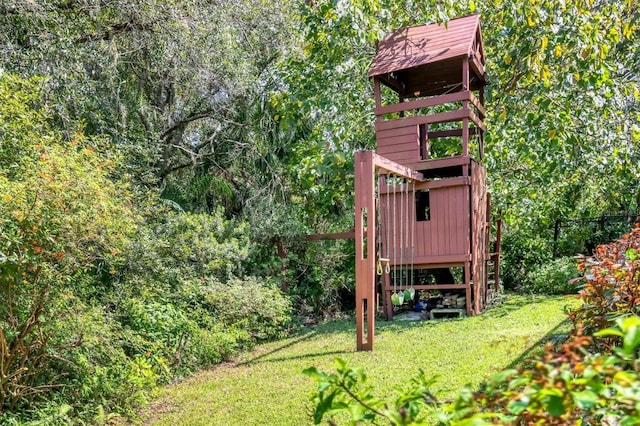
x=184 y=122
x=110 y=32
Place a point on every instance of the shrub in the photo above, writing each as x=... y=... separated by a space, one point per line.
x=611 y=282
x=554 y=277
x=176 y=253
x=260 y=309
x=216 y=344
x=521 y=254
x=59 y=213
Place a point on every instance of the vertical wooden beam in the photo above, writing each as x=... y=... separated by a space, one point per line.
x=386 y=294
x=467 y=282
x=377 y=95
x=401 y=100
x=498 y=250
x=365 y=248
x=423 y=133
x=480 y=132
x=487 y=249
x=465 y=105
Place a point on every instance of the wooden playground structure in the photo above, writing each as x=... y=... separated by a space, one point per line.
x=422 y=209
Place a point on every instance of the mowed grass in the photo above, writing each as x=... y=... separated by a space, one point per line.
x=266 y=387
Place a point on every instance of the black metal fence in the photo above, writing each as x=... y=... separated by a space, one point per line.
x=571 y=236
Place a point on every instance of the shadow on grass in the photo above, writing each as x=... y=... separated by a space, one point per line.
x=303 y=335
x=556 y=334
x=511 y=304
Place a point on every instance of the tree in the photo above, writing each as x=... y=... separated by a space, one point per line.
x=171 y=83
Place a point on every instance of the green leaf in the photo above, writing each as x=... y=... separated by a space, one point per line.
x=585 y=399
x=323 y=406
x=503 y=375
x=518 y=406
x=555 y=406
x=314 y=373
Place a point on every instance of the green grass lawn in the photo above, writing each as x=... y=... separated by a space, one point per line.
x=266 y=387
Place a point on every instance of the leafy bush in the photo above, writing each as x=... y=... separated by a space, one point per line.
x=258 y=308
x=183 y=299
x=315 y=274
x=219 y=320
x=98 y=306
x=611 y=282
x=554 y=277
x=569 y=385
x=177 y=251
x=520 y=255
x=213 y=345
x=59 y=213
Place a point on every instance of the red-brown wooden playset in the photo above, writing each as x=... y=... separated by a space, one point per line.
x=422 y=208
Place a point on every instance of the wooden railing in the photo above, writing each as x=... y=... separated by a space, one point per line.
x=449 y=98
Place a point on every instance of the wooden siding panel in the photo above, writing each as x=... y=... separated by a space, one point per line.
x=424 y=103
x=394 y=132
x=447 y=243
x=401 y=157
x=386 y=143
x=447 y=232
x=435 y=206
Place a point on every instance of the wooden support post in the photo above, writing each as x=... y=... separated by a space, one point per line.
x=467 y=282
x=386 y=295
x=365 y=249
x=498 y=251
x=465 y=106
x=377 y=95
x=481 y=133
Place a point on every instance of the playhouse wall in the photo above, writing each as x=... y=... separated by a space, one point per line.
x=446 y=234
x=399 y=143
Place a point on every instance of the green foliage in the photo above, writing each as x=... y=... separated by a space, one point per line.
x=346 y=392
x=611 y=282
x=179 y=251
x=59 y=214
x=182 y=299
x=567 y=386
x=100 y=307
x=521 y=254
x=554 y=277
x=258 y=308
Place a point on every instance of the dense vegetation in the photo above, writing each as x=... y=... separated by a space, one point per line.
x=159 y=161
x=591 y=378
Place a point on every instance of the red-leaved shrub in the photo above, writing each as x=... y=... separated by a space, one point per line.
x=611 y=283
